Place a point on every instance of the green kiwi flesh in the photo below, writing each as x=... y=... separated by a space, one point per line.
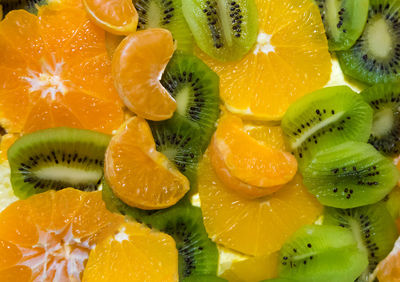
x=318 y=253
x=165 y=14
x=375 y=57
x=204 y=278
x=224 y=29
x=324 y=118
x=344 y=21
x=57 y=158
x=385 y=102
x=373 y=228
x=195 y=88
x=392 y=202
x=350 y=175
x=29 y=5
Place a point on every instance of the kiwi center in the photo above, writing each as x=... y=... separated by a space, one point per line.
x=224 y=16
x=69 y=174
x=154 y=12
x=332 y=7
x=182 y=100
x=379 y=39
x=383 y=122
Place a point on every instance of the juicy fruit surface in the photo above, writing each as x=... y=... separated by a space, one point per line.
x=57 y=158
x=277 y=71
x=138 y=174
x=225 y=30
x=49 y=236
x=135 y=253
x=350 y=175
x=324 y=118
x=136 y=75
x=322 y=253
x=116 y=16
x=253 y=227
x=388 y=270
x=45 y=82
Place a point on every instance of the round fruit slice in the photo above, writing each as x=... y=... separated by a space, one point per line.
x=137 y=67
x=116 y=16
x=138 y=174
x=290 y=59
x=48 y=237
x=135 y=253
x=55 y=72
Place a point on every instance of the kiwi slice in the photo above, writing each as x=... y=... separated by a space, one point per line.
x=204 y=278
x=385 y=102
x=225 y=30
x=29 y=5
x=344 y=21
x=373 y=228
x=350 y=175
x=324 y=118
x=322 y=253
x=168 y=15
x=375 y=57
x=195 y=87
x=57 y=158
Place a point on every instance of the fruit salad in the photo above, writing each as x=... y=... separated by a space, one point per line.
x=200 y=140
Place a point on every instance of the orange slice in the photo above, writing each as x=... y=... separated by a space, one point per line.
x=116 y=16
x=48 y=237
x=54 y=71
x=290 y=59
x=135 y=253
x=137 y=66
x=388 y=270
x=237 y=155
x=138 y=174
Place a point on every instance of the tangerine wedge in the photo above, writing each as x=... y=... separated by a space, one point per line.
x=388 y=270
x=137 y=67
x=138 y=174
x=48 y=237
x=290 y=59
x=116 y=16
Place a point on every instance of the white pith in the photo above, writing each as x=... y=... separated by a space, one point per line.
x=121 y=235
x=48 y=81
x=264 y=44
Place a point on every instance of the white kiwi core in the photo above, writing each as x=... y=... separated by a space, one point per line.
x=383 y=122
x=379 y=39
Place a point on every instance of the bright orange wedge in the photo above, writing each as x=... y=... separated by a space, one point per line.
x=290 y=59
x=48 y=237
x=388 y=270
x=115 y=16
x=138 y=174
x=137 y=65
x=54 y=71
x=135 y=253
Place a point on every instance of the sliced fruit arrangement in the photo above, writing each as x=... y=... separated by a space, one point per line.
x=388 y=270
x=134 y=253
x=136 y=75
x=225 y=30
x=373 y=228
x=168 y=15
x=29 y=5
x=290 y=59
x=374 y=58
x=46 y=82
x=138 y=174
x=344 y=21
x=57 y=158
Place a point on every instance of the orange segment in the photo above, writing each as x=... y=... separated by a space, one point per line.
x=116 y=16
x=138 y=174
x=290 y=59
x=388 y=270
x=42 y=246
x=136 y=253
x=137 y=66
x=38 y=74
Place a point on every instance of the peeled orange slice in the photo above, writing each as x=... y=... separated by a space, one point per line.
x=290 y=59
x=116 y=16
x=137 y=66
x=138 y=174
x=48 y=237
x=388 y=270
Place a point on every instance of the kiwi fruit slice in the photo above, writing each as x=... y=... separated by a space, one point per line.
x=29 y=5
x=384 y=99
x=344 y=21
x=324 y=118
x=350 y=175
x=204 y=278
x=195 y=87
x=168 y=15
x=375 y=57
x=57 y=158
x=225 y=30
x=322 y=253
x=392 y=202
x=373 y=228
